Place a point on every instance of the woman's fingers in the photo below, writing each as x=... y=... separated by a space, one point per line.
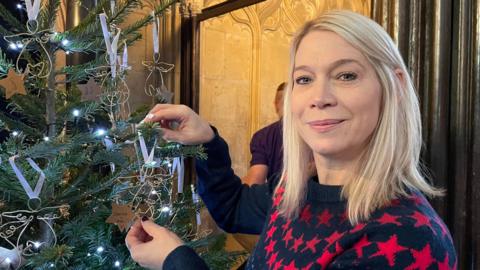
x=167 y=113
x=136 y=235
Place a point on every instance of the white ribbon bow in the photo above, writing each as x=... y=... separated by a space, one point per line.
x=32 y=194
x=155 y=30
x=147 y=157
x=124 y=60
x=112 y=45
x=32 y=10
x=179 y=165
x=109 y=145
x=196 y=200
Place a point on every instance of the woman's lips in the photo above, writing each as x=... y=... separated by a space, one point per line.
x=326 y=125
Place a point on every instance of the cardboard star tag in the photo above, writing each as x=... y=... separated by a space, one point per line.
x=90 y=91
x=13 y=84
x=122 y=216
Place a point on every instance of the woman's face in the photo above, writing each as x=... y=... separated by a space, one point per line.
x=336 y=96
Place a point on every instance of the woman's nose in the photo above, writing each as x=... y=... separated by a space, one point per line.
x=323 y=96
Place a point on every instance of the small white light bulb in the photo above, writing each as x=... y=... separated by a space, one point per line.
x=15 y=133
x=100 y=132
x=76 y=112
x=165 y=209
x=13 y=46
x=100 y=249
x=19 y=6
x=19 y=45
x=88 y=254
x=37 y=244
x=46 y=138
x=153 y=192
x=65 y=42
x=8 y=260
x=52 y=265
x=117 y=264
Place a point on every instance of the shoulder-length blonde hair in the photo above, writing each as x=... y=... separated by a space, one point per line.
x=390 y=164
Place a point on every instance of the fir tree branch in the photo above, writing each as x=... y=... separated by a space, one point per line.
x=48 y=14
x=13 y=124
x=16 y=26
x=5 y=63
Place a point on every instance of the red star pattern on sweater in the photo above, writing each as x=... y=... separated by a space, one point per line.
x=311 y=244
x=290 y=266
x=286 y=225
x=271 y=245
x=297 y=242
x=395 y=202
x=327 y=257
x=308 y=267
x=386 y=218
x=324 y=218
x=277 y=200
x=360 y=245
x=421 y=220
x=272 y=259
x=278 y=264
x=444 y=265
x=271 y=232
x=273 y=217
x=358 y=227
x=423 y=258
x=288 y=237
x=342 y=217
x=417 y=200
x=389 y=249
x=306 y=215
x=334 y=237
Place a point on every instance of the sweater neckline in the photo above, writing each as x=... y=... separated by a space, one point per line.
x=323 y=193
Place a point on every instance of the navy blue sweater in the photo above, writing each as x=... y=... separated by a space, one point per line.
x=407 y=234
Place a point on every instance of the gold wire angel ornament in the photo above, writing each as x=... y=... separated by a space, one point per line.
x=30 y=40
x=149 y=192
x=156 y=69
x=29 y=230
x=115 y=91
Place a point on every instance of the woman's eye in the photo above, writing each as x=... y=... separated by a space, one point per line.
x=347 y=76
x=303 y=80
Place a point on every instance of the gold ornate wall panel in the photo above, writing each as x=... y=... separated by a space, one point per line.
x=244 y=56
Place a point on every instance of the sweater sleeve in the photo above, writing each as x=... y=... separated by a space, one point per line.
x=395 y=247
x=184 y=258
x=236 y=207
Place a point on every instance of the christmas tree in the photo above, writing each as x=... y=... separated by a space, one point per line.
x=75 y=168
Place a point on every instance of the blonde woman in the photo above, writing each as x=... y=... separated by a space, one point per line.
x=351 y=109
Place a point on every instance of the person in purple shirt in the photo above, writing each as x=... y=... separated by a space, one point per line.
x=266 y=147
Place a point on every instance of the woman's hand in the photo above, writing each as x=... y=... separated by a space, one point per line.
x=149 y=244
x=180 y=124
